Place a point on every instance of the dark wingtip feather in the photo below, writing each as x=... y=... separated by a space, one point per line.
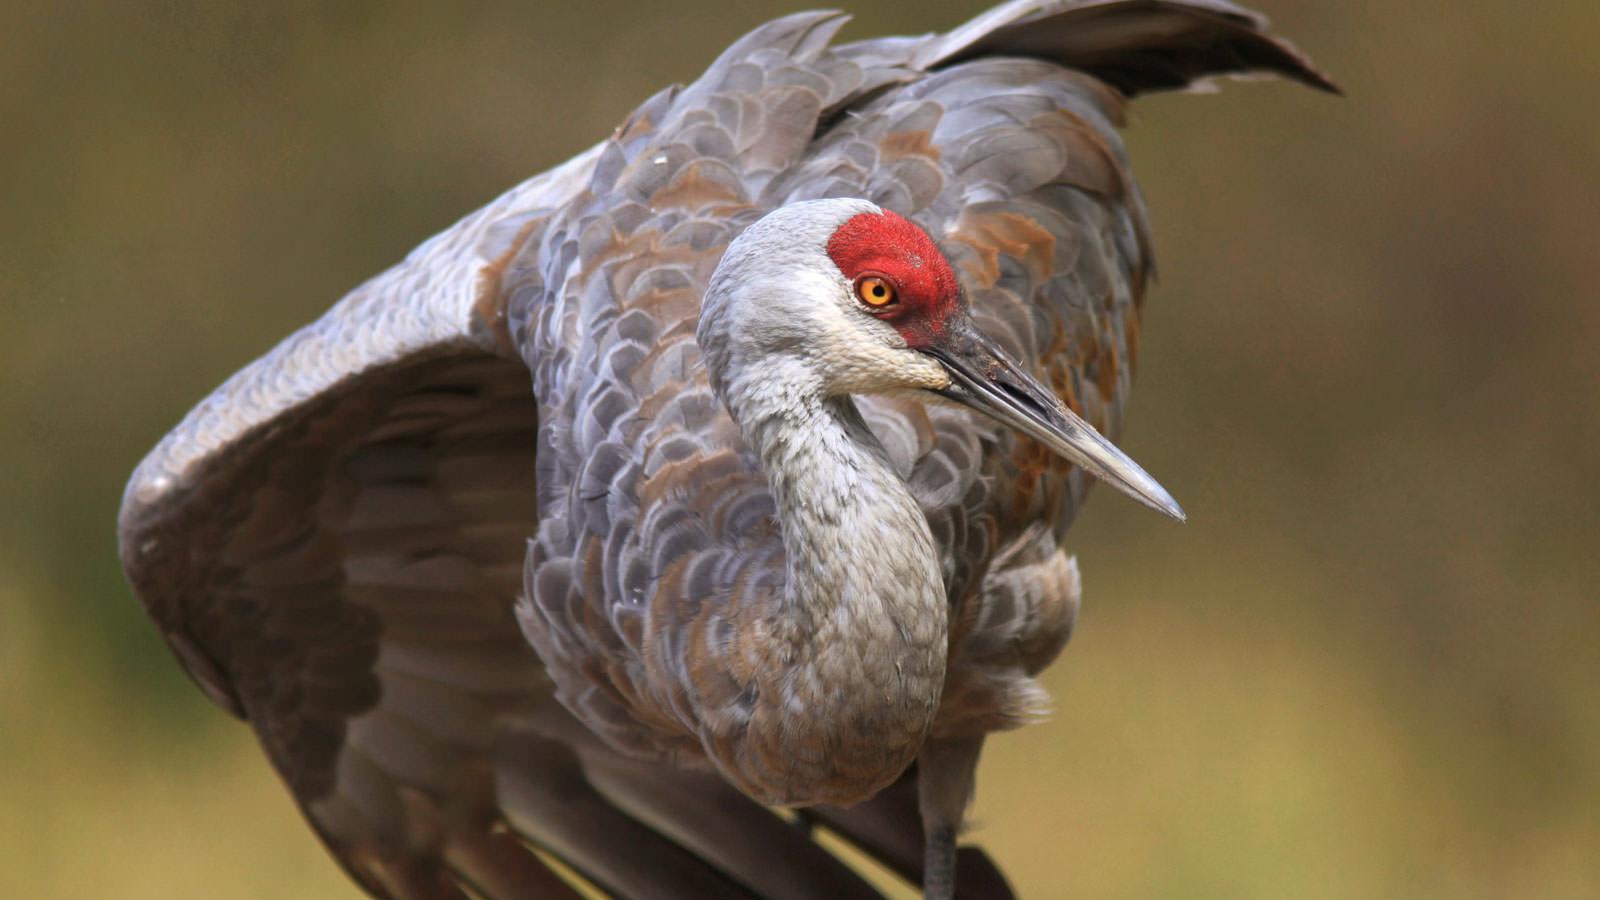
x=1137 y=46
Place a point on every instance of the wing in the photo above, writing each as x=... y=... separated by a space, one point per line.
x=323 y=539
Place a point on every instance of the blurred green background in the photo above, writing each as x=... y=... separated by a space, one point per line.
x=1367 y=667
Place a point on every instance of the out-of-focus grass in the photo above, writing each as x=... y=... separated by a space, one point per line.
x=1197 y=756
x=105 y=797
x=1366 y=667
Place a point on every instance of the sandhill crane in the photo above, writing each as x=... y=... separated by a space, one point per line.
x=652 y=494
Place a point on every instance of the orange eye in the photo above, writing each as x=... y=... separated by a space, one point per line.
x=875 y=292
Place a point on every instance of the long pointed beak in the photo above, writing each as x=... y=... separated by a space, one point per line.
x=983 y=377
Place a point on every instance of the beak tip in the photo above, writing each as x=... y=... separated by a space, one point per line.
x=1149 y=492
x=1170 y=508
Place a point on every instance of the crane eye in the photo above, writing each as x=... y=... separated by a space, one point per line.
x=875 y=292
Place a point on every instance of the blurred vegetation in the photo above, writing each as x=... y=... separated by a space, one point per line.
x=1366 y=668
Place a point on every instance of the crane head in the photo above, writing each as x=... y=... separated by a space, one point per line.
x=842 y=297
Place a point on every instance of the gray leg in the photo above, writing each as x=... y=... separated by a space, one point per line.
x=939 y=864
x=945 y=771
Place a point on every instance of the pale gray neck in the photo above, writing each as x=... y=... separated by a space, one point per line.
x=863 y=582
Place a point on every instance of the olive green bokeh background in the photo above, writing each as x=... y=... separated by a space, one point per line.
x=1367 y=667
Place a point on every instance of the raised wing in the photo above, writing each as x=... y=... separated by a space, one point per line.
x=332 y=541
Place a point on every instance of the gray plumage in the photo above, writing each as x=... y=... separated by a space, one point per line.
x=520 y=543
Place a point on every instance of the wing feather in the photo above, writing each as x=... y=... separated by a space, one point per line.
x=1134 y=45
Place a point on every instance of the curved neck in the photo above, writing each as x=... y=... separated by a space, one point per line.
x=859 y=638
x=857 y=543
